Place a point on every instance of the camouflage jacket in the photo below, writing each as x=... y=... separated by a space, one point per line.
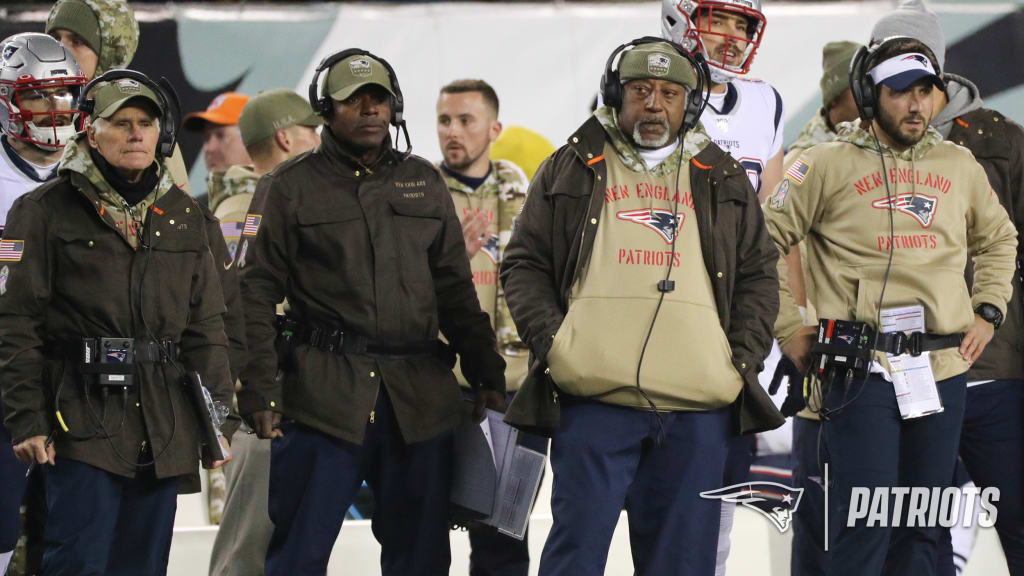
x=500 y=198
x=119 y=33
x=231 y=192
x=815 y=132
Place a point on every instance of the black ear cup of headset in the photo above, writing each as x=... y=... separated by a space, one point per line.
x=169 y=103
x=322 y=104
x=697 y=99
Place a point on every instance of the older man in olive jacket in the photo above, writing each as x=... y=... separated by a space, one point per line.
x=113 y=258
x=641 y=274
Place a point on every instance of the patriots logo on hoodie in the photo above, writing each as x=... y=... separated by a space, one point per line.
x=491 y=248
x=661 y=221
x=919 y=206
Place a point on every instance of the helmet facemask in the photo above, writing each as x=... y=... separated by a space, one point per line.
x=722 y=70
x=40 y=89
x=44 y=113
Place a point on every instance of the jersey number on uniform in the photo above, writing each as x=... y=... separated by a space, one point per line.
x=754 y=169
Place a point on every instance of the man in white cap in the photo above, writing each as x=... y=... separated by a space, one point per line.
x=889 y=213
x=992 y=439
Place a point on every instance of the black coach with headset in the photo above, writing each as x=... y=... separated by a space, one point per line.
x=642 y=277
x=365 y=244
x=109 y=297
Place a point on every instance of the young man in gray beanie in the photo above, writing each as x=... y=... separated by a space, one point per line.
x=992 y=440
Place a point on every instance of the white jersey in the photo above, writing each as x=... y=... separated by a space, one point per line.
x=746 y=122
x=18 y=176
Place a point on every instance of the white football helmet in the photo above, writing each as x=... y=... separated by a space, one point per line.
x=40 y=88
x=686 y=21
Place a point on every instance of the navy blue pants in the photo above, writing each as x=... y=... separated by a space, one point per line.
x=101 y=524
x=605 y=458
x=869 y=445
x=992 y=449
x=808 y=552
x=12 y=487
x=314 y=479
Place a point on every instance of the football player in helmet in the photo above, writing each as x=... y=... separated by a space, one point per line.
x=744 y=117
x=40 y=84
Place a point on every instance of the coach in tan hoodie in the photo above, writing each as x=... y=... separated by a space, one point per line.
x=839 y=198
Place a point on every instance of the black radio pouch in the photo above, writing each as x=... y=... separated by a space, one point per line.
x=109 y=361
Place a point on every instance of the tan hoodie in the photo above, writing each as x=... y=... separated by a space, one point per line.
x=835 y=198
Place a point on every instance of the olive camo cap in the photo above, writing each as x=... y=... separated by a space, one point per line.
x=659 y=61
x=112 y=96
x=835 y=69
x=353 y=73
x=273 y=110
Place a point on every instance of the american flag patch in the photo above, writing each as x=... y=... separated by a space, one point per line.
x=252 y=224
x=11 y=250
x=231 y=229
x=798 y=171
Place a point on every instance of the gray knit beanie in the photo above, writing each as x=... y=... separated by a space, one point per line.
x=914 y=20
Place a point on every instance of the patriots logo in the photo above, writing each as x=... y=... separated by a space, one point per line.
x=919 y=206
x=661 y=221
x=845 y=338
x=491 y=248
x=919 y=58
x=9 y=51
x=776 y=502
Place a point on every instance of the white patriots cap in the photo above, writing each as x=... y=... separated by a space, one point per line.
x=902 y=70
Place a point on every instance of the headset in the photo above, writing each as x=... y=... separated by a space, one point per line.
x=322 y=104
x=169 y=104
x=865 y=93
x=611 y=87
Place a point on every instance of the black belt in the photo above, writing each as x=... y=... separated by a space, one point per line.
x=150 y=352
x=144 y=352
x=916 y=343
x=339 y=341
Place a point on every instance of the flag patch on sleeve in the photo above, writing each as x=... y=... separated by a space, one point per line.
x=252 y=224
x=11 y=250
x=798 y=171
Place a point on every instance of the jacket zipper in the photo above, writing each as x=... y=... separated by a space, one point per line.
x=373 y=411
x=582 y=230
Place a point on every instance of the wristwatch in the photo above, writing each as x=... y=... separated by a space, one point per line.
x=990 y=314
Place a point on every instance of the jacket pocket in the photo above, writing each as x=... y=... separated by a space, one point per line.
x=417 y=225
x=333 y=242
x=86 y=269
